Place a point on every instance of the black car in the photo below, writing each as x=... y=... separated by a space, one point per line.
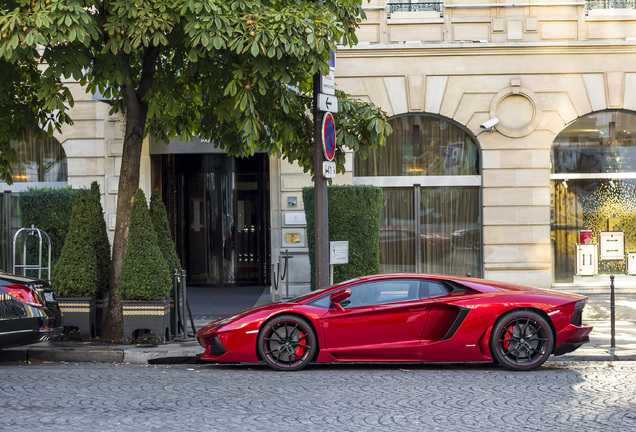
x=29 y=312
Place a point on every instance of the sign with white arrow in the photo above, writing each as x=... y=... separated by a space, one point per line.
x=327 y=103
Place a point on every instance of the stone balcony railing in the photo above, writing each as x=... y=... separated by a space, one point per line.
x=417 y=7
x=610 y=4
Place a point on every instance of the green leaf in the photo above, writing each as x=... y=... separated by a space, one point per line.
x=254 y=49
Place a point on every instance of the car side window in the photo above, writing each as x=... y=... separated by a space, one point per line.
x=433 y=289
x=382 y=292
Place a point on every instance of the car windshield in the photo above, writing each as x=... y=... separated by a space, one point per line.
x=304 y=296
x=311 y=293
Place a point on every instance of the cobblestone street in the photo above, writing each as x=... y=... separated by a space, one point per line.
x=89 y=396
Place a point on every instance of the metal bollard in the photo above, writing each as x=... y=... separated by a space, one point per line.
x=184 y=300
x=174 y=321
x=612 y=314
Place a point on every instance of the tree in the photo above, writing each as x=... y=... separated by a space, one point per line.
x=236 y=72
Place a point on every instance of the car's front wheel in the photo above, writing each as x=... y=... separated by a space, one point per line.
x=521 y=340
x=287 y=342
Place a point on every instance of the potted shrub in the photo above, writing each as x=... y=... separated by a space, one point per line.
x=159 y=218
x=75 y=275
x=101 y=245
x=145 y=282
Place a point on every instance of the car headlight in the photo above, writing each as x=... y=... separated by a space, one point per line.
x=226 y=320
x=580 y=305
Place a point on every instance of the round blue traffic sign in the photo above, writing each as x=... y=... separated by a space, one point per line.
x=329 y=136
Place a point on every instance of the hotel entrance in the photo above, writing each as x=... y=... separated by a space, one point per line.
x=221 y=204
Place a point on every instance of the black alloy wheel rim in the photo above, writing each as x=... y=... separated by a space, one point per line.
x=523 y=340
x=286 y=344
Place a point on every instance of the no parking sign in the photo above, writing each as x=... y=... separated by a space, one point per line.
x=328 y=136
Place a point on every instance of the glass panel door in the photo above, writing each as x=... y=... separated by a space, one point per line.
x=223 y=208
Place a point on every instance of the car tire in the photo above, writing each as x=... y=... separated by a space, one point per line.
x=521 y=340
x=287 y=343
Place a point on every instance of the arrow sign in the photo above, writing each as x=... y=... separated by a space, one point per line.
x=327 y=103
x=328 y=136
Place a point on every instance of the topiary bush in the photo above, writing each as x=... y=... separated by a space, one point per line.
x=75 y=274
x=144 y=272
x=159 y=218
x=99 y=237
x=49 y=210
x=354 y=216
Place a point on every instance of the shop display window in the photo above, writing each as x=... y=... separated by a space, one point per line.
x=593 y=192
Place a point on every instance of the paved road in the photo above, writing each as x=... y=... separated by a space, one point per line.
x=81 y=397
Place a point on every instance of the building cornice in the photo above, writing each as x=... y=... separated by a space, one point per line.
x=469 y=48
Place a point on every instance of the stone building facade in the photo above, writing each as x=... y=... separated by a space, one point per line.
x=559 y=77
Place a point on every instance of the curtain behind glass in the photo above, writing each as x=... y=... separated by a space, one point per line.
x=421 y=146
x=397 y=231
x=451 y=230
x=39 y=160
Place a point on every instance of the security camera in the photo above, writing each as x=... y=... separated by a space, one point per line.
x=490 y=124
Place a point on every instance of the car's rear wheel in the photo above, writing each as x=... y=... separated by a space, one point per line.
x=521 y=340
x=287 y=342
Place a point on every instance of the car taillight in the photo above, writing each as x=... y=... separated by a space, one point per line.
x=23 y=293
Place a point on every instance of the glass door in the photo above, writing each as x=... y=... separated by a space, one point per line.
x=222 y=201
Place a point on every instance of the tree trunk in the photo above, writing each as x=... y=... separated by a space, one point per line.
x=128 y=184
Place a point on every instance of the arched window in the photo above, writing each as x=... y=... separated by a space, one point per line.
x=593 y=190
x=429 y=171
x=39 y=161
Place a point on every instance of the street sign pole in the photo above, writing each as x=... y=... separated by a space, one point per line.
x=321 y=209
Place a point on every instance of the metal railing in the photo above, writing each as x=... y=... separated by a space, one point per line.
x=610 y=4
x=417 y=7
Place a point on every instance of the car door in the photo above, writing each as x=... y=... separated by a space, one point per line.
x=382 y=320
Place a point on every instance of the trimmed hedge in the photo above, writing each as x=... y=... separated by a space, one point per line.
x=49 y=210
x=354 y=215
x=144 y=272
x=159 y=218
x=99 y=237
x=75 y=274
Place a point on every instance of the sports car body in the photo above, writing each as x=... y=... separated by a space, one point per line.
x=404 y=317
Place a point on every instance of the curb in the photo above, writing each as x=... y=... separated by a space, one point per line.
x=175 y=355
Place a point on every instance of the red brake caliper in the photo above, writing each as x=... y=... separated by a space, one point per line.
x=301 y=341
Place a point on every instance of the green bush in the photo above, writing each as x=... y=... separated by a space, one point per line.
x=49 y=210
x=159 y=218
x=354 y=216
x=99 y=238
x=75 y=274
x=144 y=272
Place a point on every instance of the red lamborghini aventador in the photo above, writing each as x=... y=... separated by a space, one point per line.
x=404 y=317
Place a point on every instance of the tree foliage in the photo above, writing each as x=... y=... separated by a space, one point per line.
x=235 y=72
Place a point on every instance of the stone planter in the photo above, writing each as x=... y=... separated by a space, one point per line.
x=141 y=316
x=78 y=313
x=101 y=306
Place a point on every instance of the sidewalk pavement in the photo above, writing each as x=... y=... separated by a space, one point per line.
x=189 y=351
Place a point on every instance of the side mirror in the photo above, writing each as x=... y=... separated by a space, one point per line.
x=339 y=296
